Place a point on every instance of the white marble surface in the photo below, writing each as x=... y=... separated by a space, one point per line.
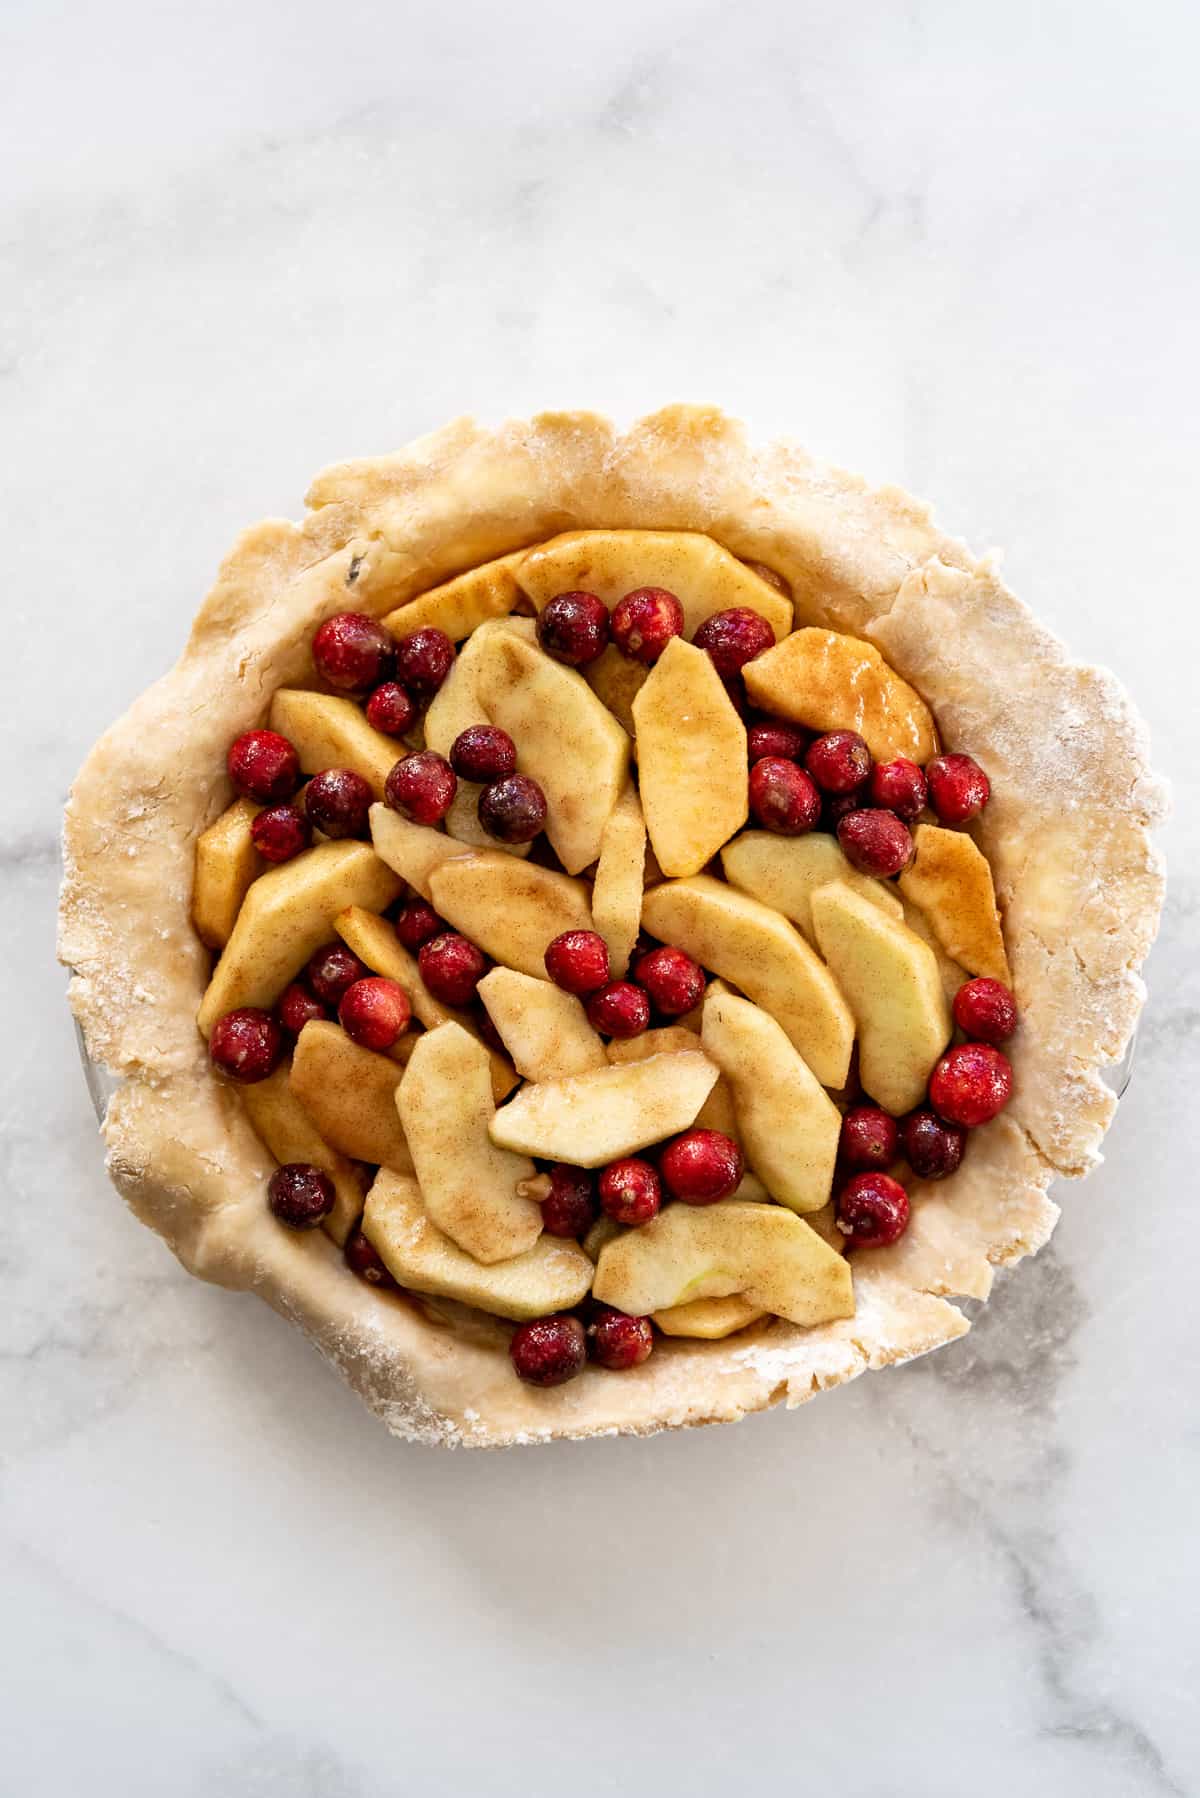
x=954 y=244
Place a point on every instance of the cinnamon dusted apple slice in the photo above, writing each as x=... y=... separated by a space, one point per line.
x=763 y=1253
x=708 y=1319
x=282 y=1123
x=350 y=1094
x=892 y=982
x=831 y=682
x=287 y=914
x=544 y=1029
x=460 y=606
x=511 y=909
x=602 y=1231
x=786 y=1122
x=457 y=704
x=594 y=1118
x=691 y=759
x=784 y=872
x=952 y=973
x=759 y=952
x=717 y=1111
x=468 y=1184
x=620 y=878
x=226 y=863
x=330 y=732
x=553 y=1275
x=616 y=680
x=950 y=881
x=412 y=850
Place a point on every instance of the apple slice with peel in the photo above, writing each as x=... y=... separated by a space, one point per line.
x=468 y=1184
x=462 y=823
x=283 y=1124
x=787 y=1122
x=544 y=1030
x=457 y=703
x=226 y=863
x=708 y=1319
x=330 y=732
x=620 y=878
x=785 y=871
x=594 y=1118
x=755 y=949
x=553 y=1275
x=950 y=880
x=616 y=680
x=763 y=1253
x=717 y=1111
x=350 y=1094
x=691 y=748
x=412 y=850
x=832 y=682
x=892 y=982
x=460 y=606
x=286 y=916
x=513 y=910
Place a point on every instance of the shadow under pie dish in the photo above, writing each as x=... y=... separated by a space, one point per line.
x=843 y=868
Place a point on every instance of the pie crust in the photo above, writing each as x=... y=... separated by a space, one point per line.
x=1066 y=833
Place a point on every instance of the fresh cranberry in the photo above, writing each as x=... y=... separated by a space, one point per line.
x=733 y=638
x=839 y=761
x=775 y=739
x=932 y=1147
x=673 y=980
x=300 y=1195
x=391 y=710
x=452 y=967
x=375 y=1012
x=578 y=961
x=338 y=802
x=264 y=766
x=332 y=970
x=782 y=797
x=643 y=623
x=875 y=842
x=630 y=1191
x=620 y=1009
x=872 y=1210
x=512 y=810
x=958 y=788
x=246 y=1044
x=573 y=628
x=899 y=786
x=837 y=806
x=423 y=660
x=971 y=1084
x=618 y=1341
x=416 y=922
x=297 y=1007
x=701 y=1166
x=483 y=752
x=569 y=1208
x=421 y=787
x=869 y=1138
x=985 y=1010
x=364 y=1259
x=353 y=652
x=549 y=1350
x=280 y=832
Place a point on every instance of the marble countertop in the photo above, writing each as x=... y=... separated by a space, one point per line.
x=953 y=244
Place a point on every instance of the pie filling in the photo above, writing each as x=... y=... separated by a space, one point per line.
x=604 y=954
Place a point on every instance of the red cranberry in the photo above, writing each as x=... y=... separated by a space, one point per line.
x=630 y=1191
x=875 y=842
x=353 y=652
x=899 y=786
x=391 y=710
x=971 y=1084
x=775 y=739
x=421 y=787
x=451 y=967
x=673 y=980
x=837 y=806
x=620 y=1009
x=569 y=1208
x=280 y=832
x=701 y=1166
x=364 y=1259
x=512 y=810
x=932 y=1148
x=483 y=752
x=297 y=1007
x=573 y=628
x=338 y=802
x=300 y=1195
x=872 y=1210
x=332 y=970
x=734 y=638
x=416 y=922
x=423 y=660
x=246 y=1044
x=375 y=1012
x=578 y=961
x=549 y=1350
x=869 y=1138
x=985 y=1010
x=839 y=761
x=958 y=788
x=618 y=1341
x=264 y=766
x=644 y=622
x=782 y=797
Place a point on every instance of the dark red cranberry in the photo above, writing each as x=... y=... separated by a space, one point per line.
x=932 y=1147
x=375 y=1012
x=872 y=1210
x=578 y=961
x=300 y=1195
x=391 y=710
x=786 y=741
x=734 y=638
x=452 y=967
x=839 y=761
x=837 y=806
x=869 y=1138
x=280 y=832
x=512 y=810
x=483 y=752
x=416 y=922
x=246 y=1044
x=958 y=788
x=338 y=802
x=985 y=1010
x=673 y=980
x=899 y=786
x=573 y=628
x=364 y=1259
x=971 y=1084
x=264 y=766
x=619 y=1009
x=549 y=1350
x=332 y=970
x=569 y=1208
x=297 y=1007
x=875 y=842
x=782 y=797
x=643 y=623
x=421 y=787
x=702 y=1166
x=618 y=1341
x=630 y=1191
x=353 y=652
x=423 y=660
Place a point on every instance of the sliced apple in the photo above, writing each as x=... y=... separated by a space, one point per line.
x=512 y=910
x=544 y=1029
x=891 y=980
x=462 y=823
x=457 y=704
x=282 y=1123
x=717 y=1111
x=553 y=1275
x=226 y=863
x=412 y=850
x=950 y=880
x=616 y=680
x=824 y=1222
x=594 y=1118
x=832 y=682
x=620 y=874
x=953 y=973
x=784 y=872
x=785 y=1119
x=350 y=1094
x=602 y=1231
x=691 y=759
x=330 y=732
x=759 y=952
x=708 y=1319
x=460 y=606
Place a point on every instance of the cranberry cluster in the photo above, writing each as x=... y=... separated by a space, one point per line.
x=666 y=981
